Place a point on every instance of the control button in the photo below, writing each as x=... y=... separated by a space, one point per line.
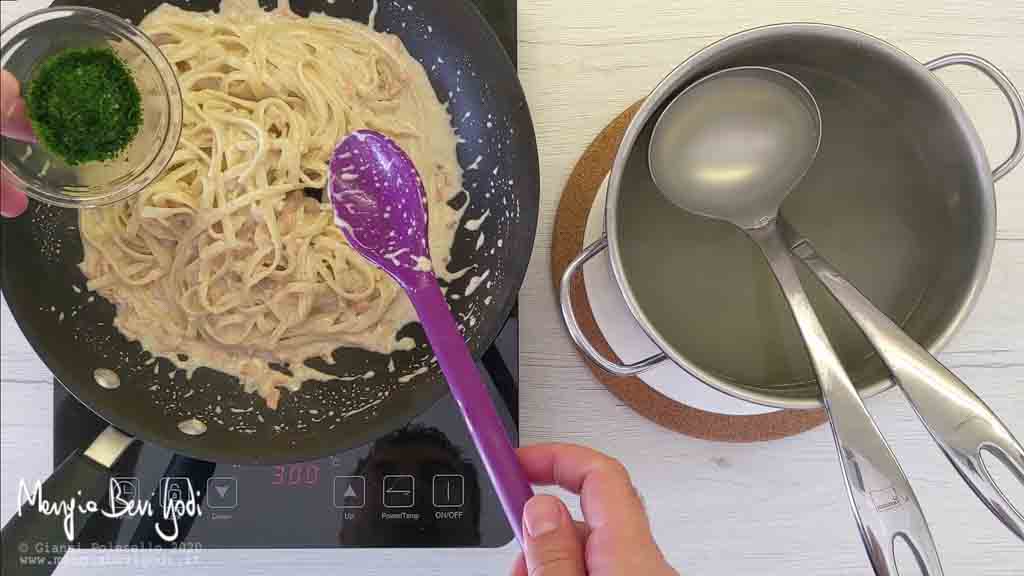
x=399 y=491
x=349 y=492
x=449 y=490
x=222 y=492
x=126 y=489
x=176 y=489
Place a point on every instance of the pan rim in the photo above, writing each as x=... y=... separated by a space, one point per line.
x=436 y=389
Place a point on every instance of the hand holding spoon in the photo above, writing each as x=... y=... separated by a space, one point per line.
x=380 y=205
x=731 y=147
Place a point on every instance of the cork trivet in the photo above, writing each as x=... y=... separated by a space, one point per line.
x=570 y=227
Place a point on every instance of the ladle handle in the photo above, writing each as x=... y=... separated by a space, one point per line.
x=1002 y=81
x=884 y=504
x=569 y=315
x=960 y=422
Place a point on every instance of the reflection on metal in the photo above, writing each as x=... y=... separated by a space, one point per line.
x=959 y=421
x=106 y=378
x=192 y=427
x=740 y=108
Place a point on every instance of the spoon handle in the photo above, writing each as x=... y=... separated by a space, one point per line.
x=959 y=421
x=884 y=503
x=485 y=426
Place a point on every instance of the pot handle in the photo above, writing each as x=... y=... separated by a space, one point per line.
x=565 y=300
x=1008 y=90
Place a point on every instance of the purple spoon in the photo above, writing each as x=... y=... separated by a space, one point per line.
x=380 y=206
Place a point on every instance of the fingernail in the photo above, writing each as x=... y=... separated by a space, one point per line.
x=542 y=515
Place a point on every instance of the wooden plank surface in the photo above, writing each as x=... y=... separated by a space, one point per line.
x=766 y=509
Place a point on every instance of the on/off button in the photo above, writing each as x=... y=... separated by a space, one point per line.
x=449 y=491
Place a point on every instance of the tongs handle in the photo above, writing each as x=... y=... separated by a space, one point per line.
x=960 y=422
x=884 y=504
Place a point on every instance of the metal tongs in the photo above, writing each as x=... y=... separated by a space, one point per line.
x=961 y=424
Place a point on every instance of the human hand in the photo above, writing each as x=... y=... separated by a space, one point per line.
x=615 y=538
x=13 y=123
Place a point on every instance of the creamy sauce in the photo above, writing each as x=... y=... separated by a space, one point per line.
x=371 y=21
x=475 y=283
x=423 y=264
x=474 y=225
x=408 y=377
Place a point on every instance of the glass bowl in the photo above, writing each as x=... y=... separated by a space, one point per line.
x=29 y=41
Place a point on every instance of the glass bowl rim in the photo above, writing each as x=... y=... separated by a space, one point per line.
x=131 y=33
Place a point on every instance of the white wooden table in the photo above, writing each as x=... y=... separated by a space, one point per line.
x=766 y=509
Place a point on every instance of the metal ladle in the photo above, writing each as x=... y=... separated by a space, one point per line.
x=961 y=424
x=731 y=147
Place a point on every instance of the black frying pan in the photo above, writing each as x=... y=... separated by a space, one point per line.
x=73 y=334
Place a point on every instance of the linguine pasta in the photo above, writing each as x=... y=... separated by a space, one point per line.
x=227 y=262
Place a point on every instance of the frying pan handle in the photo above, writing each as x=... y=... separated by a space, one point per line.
x=569 y=315
x=34 y=542
x=161 y=530
x=1008 y=90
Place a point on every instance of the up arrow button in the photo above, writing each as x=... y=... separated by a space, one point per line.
x=349 y=492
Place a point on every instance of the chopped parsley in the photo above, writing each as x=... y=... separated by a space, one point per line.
x=84 y=105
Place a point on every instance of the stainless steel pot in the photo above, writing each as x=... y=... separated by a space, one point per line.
x=900 y=199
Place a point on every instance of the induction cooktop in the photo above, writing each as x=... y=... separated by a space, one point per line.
x=423 y=485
